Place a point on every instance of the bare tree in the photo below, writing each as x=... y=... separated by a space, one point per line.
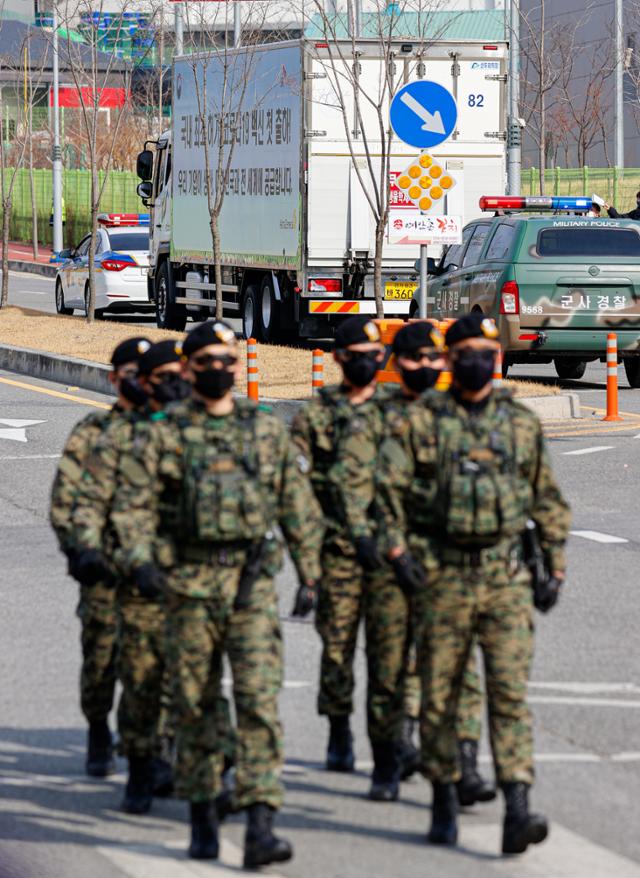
x=363 y=104
x=92 y=70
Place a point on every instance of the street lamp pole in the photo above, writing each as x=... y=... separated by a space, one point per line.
x=179 y=25
x=514 y=131
x=237 y=24
x=619 y=99
x=56 y=155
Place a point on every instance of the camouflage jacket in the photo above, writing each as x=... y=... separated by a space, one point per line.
x=357 y=461
x=317 y=431
x=69 y=473
x=469 y=479
x=210 y=482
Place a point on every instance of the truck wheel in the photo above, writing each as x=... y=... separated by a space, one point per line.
x=632 y=368
x=568 y=368
x=61 y=308
x=269 y=312
x=169 y=314
x=250 y=322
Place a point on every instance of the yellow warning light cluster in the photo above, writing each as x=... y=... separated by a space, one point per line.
x=425 y=182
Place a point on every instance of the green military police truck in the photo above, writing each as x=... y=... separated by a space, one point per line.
x=556 y=285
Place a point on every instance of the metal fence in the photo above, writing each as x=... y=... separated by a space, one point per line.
x=119 y=195
x=616 y=186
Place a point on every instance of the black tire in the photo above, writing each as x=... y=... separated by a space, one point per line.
x=169 y=314
x=632 y=369
x=568 y=368
x=250 y=321
x=269 y=313
x=98 y=313
x=61 y=308
x=506 y=365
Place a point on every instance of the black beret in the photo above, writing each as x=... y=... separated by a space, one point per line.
x=160 y=354
x=356 y=330
x=474 y=325
x=211 y=332
x=413 y=336
x=129 y=351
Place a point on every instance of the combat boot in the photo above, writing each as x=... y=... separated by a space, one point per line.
x=261 y=846
x=385 y=780
x=408 y=753
x=340 y=750
x=472 y=787
x=520 y=828
x=444 y=829
x=138 y=793
x=204 y=831
x=100 y=761
x=162 y=778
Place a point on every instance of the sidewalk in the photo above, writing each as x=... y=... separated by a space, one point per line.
x=21 y=259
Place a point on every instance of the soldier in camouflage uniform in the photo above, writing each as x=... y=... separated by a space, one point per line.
x=316 y=431
x=141 y=619
x=465 y=471
x=96 y=609
x=393 y=680
x=213 y=477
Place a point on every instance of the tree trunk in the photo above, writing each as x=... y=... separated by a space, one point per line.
x=6 y=219
x=378 y=290
x=543 y=126
x=91 y=310
x=217 y=268
x=32 y=183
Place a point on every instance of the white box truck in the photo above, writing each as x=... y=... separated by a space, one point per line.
x=297 y=232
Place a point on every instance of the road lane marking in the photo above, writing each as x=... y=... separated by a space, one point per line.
x=57 y=393
x=29 y=456
x=170 y=861
x=591 y=450
x=564 y=855
x=16 y=430
x=577 y=701
x=587 y=688
x=597 y=537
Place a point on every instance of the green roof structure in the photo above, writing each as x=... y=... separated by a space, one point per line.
x=485 y=24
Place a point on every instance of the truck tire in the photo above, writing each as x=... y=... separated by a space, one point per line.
x=568 y=368
x=632 y=369
x=250 y=321
x=169 y=314
x=269 y=313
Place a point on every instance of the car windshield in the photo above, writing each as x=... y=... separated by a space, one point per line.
x=129 y=240
x=589 y=242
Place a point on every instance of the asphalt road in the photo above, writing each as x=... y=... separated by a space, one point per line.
x=57 y=823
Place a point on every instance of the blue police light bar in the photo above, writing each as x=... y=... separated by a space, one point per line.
x=574 y=204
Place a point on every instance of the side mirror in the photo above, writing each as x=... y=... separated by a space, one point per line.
x=432 y=267
x=144 y=190
x=66 y=254
x=144 y=164
x=452 y=266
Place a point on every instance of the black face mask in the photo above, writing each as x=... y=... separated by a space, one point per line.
x=361 y=369
x=132 y=391
x=214 y=383
x=472 y=370
x=171 y=390
x=420 y=379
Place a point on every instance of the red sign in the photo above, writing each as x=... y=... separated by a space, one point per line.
x=69 y=96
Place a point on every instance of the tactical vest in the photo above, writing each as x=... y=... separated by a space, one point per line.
x=324 y=451
x=481 y=496
x=222 y=499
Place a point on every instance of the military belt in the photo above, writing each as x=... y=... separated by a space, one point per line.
x=220 y=554
x=470 y=557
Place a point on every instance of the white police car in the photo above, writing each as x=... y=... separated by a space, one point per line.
x=121 y=261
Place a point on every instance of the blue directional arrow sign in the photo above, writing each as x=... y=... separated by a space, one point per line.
x=423 y=114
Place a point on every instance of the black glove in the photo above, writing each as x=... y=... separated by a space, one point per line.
x=89 y=567
x=367 y=554
x=306 y=599
x=410 y=574
x=546 y=594
x=149 y=581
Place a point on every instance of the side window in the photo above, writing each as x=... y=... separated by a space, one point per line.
x=167 y=175
x=453 y=255
x=83 y=246
x=102 y=243
x=476 y=244
x=160 y=171
x=500 y=244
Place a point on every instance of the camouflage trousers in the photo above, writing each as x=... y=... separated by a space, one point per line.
x=200 y=631
x=143 y=707
x=493 y=604
x=97 y=613
x=340 y=609
x=394 y=683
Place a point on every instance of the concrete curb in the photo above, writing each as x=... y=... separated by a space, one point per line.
x=41 y=268
x=94 y=376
